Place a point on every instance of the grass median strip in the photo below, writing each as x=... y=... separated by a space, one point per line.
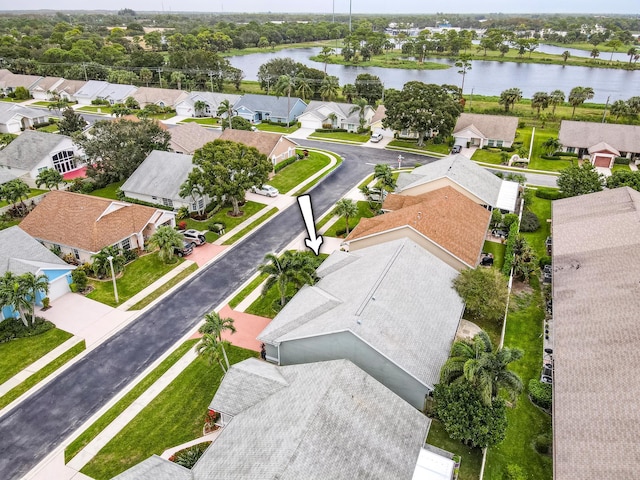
x=250 y=227
x=111 y=414
x=255 y=283
x=41 y=374
x=164 y=288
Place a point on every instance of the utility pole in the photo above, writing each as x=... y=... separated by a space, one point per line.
x=604 y=114
x=211 y=80
x=84 y=67
x=159 y=70
x=349 y=16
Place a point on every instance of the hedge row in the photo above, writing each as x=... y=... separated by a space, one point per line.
x=559 y=155
x=540 y=393
x=504 y=149
x=284 y=163
x=622 y=161
x=549 y=194
x=508 y=254
x=330 y=130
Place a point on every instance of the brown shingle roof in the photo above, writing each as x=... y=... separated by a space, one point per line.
x=82 y=221
x=151 y=95
x=188 y=137
x=445 y=216
x=495 y=127
x=393 y=201
x=265 y=142
x=596 y=306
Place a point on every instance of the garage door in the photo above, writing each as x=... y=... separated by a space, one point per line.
x=601 y=161
x=58 y=287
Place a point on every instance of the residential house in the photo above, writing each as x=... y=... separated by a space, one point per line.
x=313 y=421
x=10 y=81
x=444 y=222
x=15 y=118
x=334 y=115
x=162 y=97
x=478 y=130
x=594 y=329
x=258 y=108
x=83 y=224
x=187 y=106
x=467 y=177
x=20 y=254
x=33 y=151
x=42 y=89
x=275 y=146
x=158 y=180
x=189 y=137
x=97 y=89
x=67 y=89
x=601 y=143
x=90 y=91
x=376 y=122
x=389 y=308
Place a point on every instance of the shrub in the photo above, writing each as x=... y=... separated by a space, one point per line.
x=182 y=225
x=363 y=130
x=546 y=260
x=542 y=443
x=216 y=227
x=285 y=163
x=621 y=161
x=73 y=287
x=330 y=130
x=509 y=254
x=540 y=393
x=530 y=222
x=14 y=328
x=129 y=255
x=189 y=456
x=79 y=278
x=521 y=125
x=509 y=219
x=549 y=194
x=45 y=302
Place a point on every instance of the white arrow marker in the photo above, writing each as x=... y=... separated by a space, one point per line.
x=313 y=242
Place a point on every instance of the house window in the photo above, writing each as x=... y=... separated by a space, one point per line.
x=154 y=198
x=194 y=206
x=64 y=161
x=491 y=143
x=499 y=143
x=167 y=202
x=76 y=254
x=201 y=204
x=42 y=169
x=126 y=244
x=571 y=149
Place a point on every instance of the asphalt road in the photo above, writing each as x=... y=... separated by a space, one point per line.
x=40 y=423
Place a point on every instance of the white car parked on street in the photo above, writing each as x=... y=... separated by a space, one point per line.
x=266 y=190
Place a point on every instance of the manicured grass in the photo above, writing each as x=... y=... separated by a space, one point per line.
x=95 y=109
x=442 y=148
x=250 y=227
x=202 y=121
x=175 y=416
x=267 y=127
x=539 y=163
x=319 y=178
x=388 y=60
x=344 y=136
x=542 y=208
x=249 y=209
x=41 y=374
x=110 y=191
x=110 y=415
x=526 y=421
x=137 y=275
x=264 y=305
x=34 y=192
x=49 y=128
x=498 y=252
x=471 y=457
x=489 y=155
x=296 y=173
x=235 y=301
x=364 y=210
x=620 y=168
x=164 y=288
x=18 y=354
x=163 y=116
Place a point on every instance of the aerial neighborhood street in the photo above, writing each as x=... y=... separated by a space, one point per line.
x=349 y=244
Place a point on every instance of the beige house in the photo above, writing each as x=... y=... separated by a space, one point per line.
x=477 y=130
x=275 y=146
x=9 y=81
x=162 y=97
x=338 y=115
x=186 y=138
x=82 y=225
x=444 y=222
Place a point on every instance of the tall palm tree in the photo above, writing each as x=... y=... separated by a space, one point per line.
x=329 y=88
x=349 y=91
x=193 y=189
x=13 y=293
x=166 y=239
x=346 y=208
x=360 y=107
x=225 y=108
x=578 y=96
x=209 y=348
x=178 y=78
x=487 y=369
x=199 y=107
x=333 y=117
x=215 y=325
x=285 y=84
x=566 y=54
x=324 y=54
x=15 y=191
x=556 y=98
x=291 y=267
x=383 y=173
x=32 y=284
x=303 y=89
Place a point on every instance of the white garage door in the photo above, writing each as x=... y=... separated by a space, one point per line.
x=58 y=287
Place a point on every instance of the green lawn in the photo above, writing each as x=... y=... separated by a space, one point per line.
x=442 y=148
x=137 y=275
x=110 y=191
x=164 y=288
x=175 y=416
x=539 y=163
x=471 y=457
x=542 y=208
x=249 y=209
x=267 y=127
x=233 y=303
x=251 y=226
x=621 y=168
x=344 y=136
x=498 y=252
x=489 y=155
x=34 y=192
x=49 y=128
x=202 y=121
x=18 y=354
x=95 y=109
x=319 y=178
x=296 y=173
x=363 y=211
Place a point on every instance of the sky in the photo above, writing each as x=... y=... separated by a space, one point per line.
x=342 y=6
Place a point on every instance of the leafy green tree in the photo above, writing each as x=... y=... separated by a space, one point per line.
x=120 y=110
x=347 y=208
x=209 y=348
x=166 y=239
x=21 y=93
x=579 y=180
x=291 y=267
x=423 y=108
x=578 y=96
x=475 y=361
x=239 y=123
x=510 y=97
x=215 y=325
x=484 y=291
x=349 y=92
x=369 y=87
x=115 y=149
x=595 y=53
x=71 y=122
x=50 y=178
x=228 y=169
x=615 y=44
x=622 y=178
x=525 y=261
x=467 y=419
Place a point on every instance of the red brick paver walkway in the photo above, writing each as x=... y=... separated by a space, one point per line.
x=206 y=252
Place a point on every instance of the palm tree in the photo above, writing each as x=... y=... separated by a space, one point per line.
x=291 y=267
x=360 y=107
x=346 y=208
x=32 y=284
x=632 y=53
x=348 y=92
x=384 y=175
x=566 y=54
x=209 y=348
x=214 y=325
x=556 y=98
x=225 y=108
x=166 y=239
x=615 y=44
x=324 y=54
x=540 y=100
x=199 y=107
x=551 y=145
x=303 y=89
x=193 y=189
x=487 y=369
x=178 y=78
x=15 y=191
x=285 y=84
x=329 y=88
x=333 y=117
x=578 y=96
x=50 y=178
x=464 y=64
x=13 y=293
x=619 y=107
x=146 y=76
x=100 y=261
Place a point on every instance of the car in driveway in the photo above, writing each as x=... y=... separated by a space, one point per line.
x=376 y=137
x=456 y=149
x=266 y=190
x=186 y=249
x=194 y=237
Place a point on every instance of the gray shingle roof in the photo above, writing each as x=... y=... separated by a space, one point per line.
x=374 y=296
x=92 y=88
x=494 y=127
x=276 y=106
x=160 y=175
x=20 y=253
x=10 y=110
x=116 y=92
x=321 y=110
x=459 y=169
x=596 y=265
x=31 y=146
x=155 y=468
x=151 y=95
x=212 y=98
x=625 y=138
x=6 y=176
x=330 y=420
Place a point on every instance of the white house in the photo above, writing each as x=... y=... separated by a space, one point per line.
x=334 y=115
x=187 y=107
x=477 y=130
x=97 y=89
x=14 y=117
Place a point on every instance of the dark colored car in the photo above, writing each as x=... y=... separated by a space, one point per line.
x=187 y=249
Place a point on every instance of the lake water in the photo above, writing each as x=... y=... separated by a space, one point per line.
x=485 y=77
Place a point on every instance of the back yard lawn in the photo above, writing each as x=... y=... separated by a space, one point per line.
x=34 y=192
x=110 y=191
x=471 y=457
